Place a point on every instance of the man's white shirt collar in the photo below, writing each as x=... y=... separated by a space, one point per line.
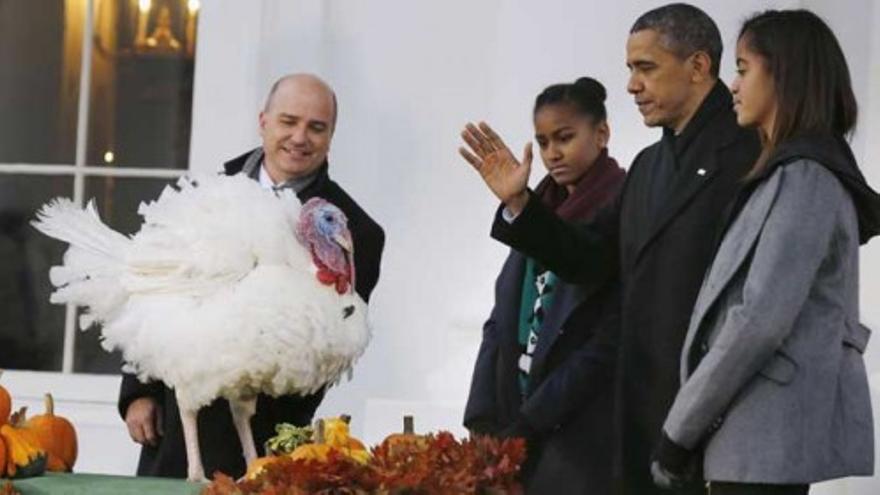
x=265 y=181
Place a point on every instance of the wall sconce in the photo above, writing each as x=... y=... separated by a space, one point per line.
x=192 y=7
x=162 y=38
x=143 y=15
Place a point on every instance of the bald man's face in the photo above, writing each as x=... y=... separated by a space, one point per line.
x=297 y=128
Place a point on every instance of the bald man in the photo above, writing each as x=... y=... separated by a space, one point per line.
x=296 y=126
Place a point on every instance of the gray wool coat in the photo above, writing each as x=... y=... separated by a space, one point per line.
x=774 y=388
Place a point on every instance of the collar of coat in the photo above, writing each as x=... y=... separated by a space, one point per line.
x=249 y=161
x=835 y=154
x=596 y=188
x=719 y=97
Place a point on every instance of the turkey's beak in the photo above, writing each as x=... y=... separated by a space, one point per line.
x=344 y=241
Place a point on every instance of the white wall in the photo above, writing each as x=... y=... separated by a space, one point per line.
x=408 y=76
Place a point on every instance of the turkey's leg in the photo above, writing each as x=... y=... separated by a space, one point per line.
x=189 y=421
x=242 y=412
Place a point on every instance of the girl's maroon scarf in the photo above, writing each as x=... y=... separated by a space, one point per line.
x=597 y=188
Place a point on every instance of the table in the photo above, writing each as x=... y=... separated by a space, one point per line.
x=101 y=484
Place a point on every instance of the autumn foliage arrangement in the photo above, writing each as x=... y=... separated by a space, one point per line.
x=403 y=464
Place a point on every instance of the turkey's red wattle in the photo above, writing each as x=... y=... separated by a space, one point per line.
x=327 y=276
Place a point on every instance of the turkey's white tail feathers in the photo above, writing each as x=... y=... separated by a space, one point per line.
x=81 y=228
x=90 y=274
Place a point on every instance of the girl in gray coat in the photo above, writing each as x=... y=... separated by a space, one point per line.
x=774 y=392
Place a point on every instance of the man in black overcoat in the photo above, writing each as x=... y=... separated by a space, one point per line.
x=660 y=235
x=296 y=126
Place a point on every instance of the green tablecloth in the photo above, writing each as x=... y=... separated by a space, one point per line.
x=100 y=484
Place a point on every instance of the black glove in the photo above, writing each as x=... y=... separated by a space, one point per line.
x=483 y=427
x=669 y=464
x=520 y=428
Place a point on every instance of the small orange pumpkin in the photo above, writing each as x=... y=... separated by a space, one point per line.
x=354 y=444
x=338 y=435
x=5 y=404
x=2 y=457
x=258 y=465
x=407 y=441
x=316 y=451
x=24 y=456
x=311 y=452
x=56 y=435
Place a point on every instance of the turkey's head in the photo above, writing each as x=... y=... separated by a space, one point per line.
x=323 y=230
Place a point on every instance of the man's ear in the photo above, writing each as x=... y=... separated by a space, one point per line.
x=701 y=66
x=262 y=121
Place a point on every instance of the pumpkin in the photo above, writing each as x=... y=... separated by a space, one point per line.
x=357 y=452
x=287 y=439
x=332 y=435
x=311 y=452
x=336 y=431
x=258 y=465
x=56 y=435
x=338 y=436
x=316 y=451
x=5 y=404
x=24 y=457
x=406 y=441
x=2 y=457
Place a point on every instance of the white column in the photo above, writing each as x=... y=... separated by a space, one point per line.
x=227 y=89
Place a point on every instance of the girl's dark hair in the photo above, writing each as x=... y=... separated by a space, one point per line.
x=586 y=96
x=811 y=79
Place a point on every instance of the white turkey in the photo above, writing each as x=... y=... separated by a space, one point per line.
x=228 y=290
